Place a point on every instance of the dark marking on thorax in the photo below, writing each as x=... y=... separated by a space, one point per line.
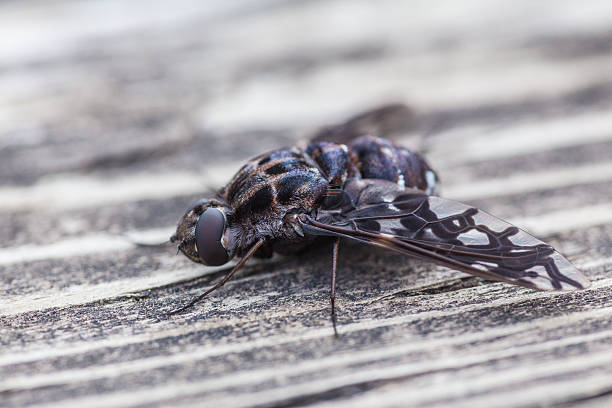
x=275 y=183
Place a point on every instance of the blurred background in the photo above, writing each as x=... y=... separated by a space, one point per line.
x=115 y=115
x=157 y=97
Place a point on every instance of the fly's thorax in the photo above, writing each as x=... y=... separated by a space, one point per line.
x=272 y=185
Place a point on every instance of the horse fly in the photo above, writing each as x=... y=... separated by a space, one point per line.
x=345 y=184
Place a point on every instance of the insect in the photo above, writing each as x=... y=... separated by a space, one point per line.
x=349 y=185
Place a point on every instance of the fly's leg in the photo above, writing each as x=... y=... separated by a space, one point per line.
x=333 y=284
x=249 y=254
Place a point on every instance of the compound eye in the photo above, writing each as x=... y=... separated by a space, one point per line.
x=208 y=233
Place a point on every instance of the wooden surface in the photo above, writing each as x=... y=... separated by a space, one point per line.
x=114 y=116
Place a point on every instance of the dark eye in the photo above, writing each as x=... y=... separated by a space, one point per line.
x=208 y=233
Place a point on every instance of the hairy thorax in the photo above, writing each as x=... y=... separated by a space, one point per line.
x=267 y=190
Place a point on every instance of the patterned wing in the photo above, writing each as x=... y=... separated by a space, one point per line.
x=445 y=232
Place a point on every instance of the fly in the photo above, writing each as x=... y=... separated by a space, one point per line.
x=349 y=185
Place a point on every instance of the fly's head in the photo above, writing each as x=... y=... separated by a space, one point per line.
x=203 y=233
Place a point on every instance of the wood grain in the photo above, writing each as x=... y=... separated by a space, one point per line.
x=115 y=116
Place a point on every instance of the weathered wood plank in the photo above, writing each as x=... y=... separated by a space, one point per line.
x=110 y=127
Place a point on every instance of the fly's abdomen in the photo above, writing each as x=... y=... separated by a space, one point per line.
x=381 y=159
x=274 y=183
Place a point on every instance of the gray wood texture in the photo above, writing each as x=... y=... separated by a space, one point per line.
x=114 y=116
